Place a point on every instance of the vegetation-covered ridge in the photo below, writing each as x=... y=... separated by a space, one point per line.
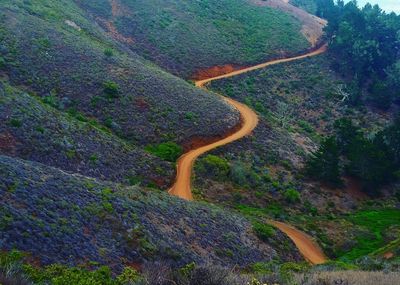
x=60 y=217
x=186 y=36
x=32 y=129
x=53 y=50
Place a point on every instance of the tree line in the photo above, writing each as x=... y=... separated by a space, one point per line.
x=366 y=47
x=372 y=158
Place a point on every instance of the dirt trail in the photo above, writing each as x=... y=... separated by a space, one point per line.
x=249 y=120
x=304 y=243
x=318 y=51
x=182 y=187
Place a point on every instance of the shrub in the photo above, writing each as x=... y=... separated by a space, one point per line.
x=291 y=195
x=2 y=62
x=15 y=123
x=168 y=151
x=108 y=52
x=190 y=116
x=214 y=166
x=111 y=89
x=263 y=231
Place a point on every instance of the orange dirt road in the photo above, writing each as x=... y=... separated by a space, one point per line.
x=318 y=51
x=182 y=187
x=249 y=119
x=304 y=243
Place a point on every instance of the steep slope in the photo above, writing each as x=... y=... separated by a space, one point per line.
x=50 y=49
x=33 y=130
x=71 y=219
x=312 y=26
x=187 y=36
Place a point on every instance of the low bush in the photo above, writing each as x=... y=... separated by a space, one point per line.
x=168 y=151
x=291 y=195
x=111 y=89
x=263 y=231
x=214 y=166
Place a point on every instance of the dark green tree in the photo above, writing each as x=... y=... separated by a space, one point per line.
x=323 y=164
x=346 y=133
x=370 y=162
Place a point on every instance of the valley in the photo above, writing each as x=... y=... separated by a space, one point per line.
x=233 y=142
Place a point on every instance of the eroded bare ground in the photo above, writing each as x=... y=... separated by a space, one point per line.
x=117 y=10
x=312 y=26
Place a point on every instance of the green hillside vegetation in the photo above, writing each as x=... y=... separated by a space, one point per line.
x=93 y=120
x=298 y=104
x=56 y=217
x=365 y=45
x=185 y=36
x=308 y=5
x=32 y=129
x=77 y=68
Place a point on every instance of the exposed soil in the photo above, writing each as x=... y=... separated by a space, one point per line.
x=305 y=244
x=117 y=10
x=214 y=71
x=314 y=52
x=182 y=187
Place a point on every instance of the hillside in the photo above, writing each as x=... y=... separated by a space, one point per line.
x=262 y=175
x=71 y=219
x=72 y=142
x=199 y=142
x=187 y=36
x=50 y=49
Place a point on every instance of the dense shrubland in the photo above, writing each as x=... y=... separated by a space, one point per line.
x=185 y=36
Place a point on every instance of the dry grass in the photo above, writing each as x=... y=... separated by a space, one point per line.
x=349 y=278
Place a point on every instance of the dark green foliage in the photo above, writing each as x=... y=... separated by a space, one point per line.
x=214 y=166
x=111 y=89
x=365 y=42
x=2 y=62
x=346 y=132
x=291 y=195
x=370 y=161
x=263 y=231
x=168 y=151
x=375 y=161
x=15 y=123
x=324 y=163
x=108 y=52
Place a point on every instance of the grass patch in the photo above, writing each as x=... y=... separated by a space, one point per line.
x=376 y=222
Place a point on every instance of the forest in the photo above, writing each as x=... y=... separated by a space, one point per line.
x=366 y=46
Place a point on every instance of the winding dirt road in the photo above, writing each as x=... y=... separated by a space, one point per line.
x=304 y=243
x=249 y=120
x=322 y=49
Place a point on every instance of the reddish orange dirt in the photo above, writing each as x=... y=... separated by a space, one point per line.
x=249 y=120
x=305 y=244
x=388 y=255
x=214 y=71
